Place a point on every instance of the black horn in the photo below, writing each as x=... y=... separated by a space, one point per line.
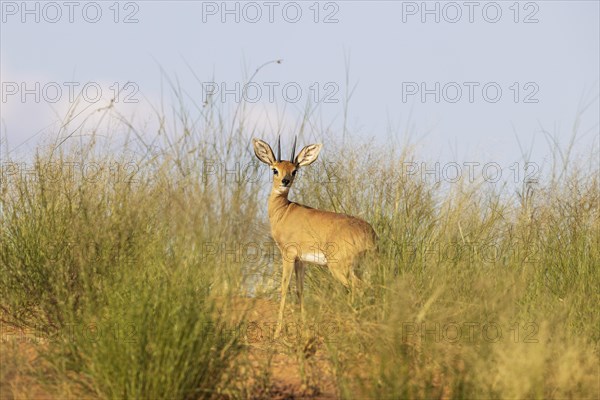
x=279 y=148
x=294 y=149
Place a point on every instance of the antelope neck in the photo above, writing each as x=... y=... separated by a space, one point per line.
x=278 y=204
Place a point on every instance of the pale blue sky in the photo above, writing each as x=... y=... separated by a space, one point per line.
x=389 y=49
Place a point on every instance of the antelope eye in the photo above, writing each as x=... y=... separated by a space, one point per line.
x=294 y=172
x=275 y=171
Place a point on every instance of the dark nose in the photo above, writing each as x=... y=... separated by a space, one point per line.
x=285 y=181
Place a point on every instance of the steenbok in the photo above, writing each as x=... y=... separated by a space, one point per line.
x=305 y=234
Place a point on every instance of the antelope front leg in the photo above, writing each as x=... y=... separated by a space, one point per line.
x=286 y=276
x=299 y=269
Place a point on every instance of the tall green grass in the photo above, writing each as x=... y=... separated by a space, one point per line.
x=104 y=257
x=131 y=262
x=475 y=294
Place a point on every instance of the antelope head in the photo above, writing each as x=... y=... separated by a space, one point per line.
x=283 y=171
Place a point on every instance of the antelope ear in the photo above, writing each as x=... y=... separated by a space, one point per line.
x=263 y=151
x=308 y=155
